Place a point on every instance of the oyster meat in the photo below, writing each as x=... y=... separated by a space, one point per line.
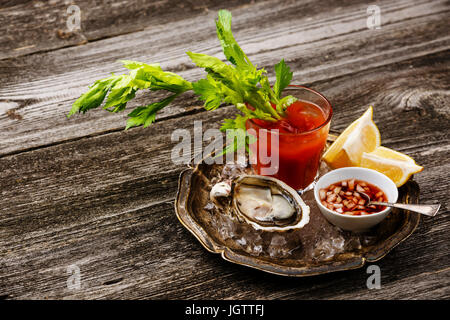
x=259 y=203
x=264 y=202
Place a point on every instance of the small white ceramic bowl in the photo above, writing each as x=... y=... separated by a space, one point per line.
x=356 y=223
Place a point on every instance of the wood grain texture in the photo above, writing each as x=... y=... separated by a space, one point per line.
x=319 y=45
x=105 y=204
x=28 y=27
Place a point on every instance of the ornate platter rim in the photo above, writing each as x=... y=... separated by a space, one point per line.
x=410 y=224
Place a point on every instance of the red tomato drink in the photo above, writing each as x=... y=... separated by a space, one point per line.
x=301 y=137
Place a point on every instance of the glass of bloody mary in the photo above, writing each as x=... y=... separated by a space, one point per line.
x=301 y=136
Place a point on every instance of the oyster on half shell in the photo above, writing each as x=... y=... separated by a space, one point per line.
x=264 y=202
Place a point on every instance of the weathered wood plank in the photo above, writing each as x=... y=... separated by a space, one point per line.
x=104 y=203
x=434 y=285
x=319 y=46
x=28 y=27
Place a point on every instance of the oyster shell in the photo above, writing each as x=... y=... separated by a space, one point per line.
x=264 y=202
x=220 y=190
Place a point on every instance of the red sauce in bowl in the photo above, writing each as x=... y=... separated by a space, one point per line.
x=344 y=197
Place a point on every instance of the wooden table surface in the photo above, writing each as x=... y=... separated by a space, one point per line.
x=83 y=192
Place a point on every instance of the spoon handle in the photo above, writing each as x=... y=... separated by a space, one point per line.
x=426 y=209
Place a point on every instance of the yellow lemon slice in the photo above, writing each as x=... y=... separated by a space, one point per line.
x=362 y=135
x=397 y=166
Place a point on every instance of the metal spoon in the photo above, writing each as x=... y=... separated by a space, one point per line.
x=426 y=209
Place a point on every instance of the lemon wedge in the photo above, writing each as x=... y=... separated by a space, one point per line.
x=397 y=166
x=359 y=146
x=361 y=136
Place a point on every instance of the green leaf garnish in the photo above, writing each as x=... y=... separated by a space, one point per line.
x=145 y=116
x=240 y=83
x=283 y=78
x=231 y=49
